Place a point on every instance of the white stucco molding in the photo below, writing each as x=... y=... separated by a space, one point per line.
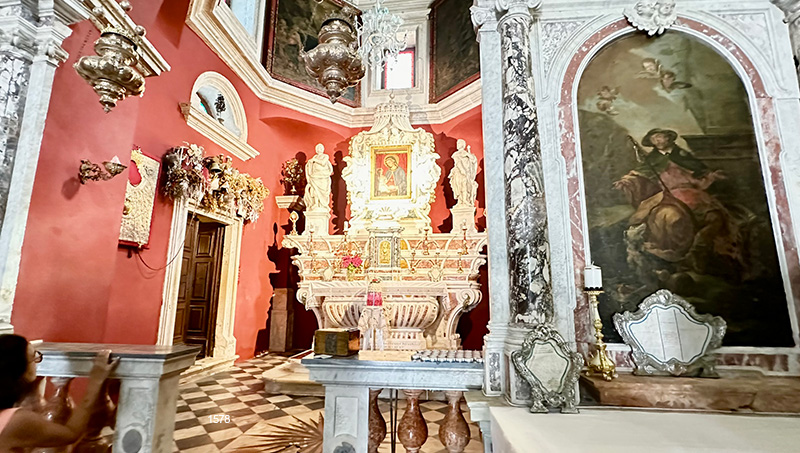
x=202 y=122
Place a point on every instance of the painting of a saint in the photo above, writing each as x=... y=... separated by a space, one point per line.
x=390 y=179
x=674 y=189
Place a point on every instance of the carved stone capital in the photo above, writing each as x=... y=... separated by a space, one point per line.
x=508 y=9
x=483 y=15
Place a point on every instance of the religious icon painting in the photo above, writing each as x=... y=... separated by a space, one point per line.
x=674 y=186
x=391 y=175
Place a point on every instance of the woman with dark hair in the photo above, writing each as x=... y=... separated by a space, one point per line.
x=21 y=428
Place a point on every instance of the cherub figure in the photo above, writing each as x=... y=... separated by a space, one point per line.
x=607 y=96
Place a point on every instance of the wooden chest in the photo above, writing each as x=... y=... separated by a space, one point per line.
x=339 y=342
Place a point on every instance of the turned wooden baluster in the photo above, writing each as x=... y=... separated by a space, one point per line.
x=412 y=430
x=377 y=425
x=103 y=414
x=454 y=431
x=57 y=408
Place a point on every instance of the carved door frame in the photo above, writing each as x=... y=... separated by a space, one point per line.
x=224 y=351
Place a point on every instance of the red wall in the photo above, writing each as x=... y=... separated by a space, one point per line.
x=76 y=283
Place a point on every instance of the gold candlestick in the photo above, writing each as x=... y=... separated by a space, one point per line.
x=599 y=362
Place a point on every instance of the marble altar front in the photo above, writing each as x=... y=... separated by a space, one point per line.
x=429 y=279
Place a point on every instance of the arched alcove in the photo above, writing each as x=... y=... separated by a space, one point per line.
x=217 y=112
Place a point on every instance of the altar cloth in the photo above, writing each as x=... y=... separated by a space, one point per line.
x=515 y=430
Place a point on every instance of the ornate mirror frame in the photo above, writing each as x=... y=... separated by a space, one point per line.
x=646 y=363
x=541 y=396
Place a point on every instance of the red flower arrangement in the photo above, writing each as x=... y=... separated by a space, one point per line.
x=352 y=262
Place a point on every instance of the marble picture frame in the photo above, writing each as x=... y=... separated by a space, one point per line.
x=685 y=338
x=550 y=367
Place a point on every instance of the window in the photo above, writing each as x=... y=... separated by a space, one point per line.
x=398 y=73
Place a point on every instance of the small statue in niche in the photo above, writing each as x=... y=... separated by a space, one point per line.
x=318 y=181
x=462 y=176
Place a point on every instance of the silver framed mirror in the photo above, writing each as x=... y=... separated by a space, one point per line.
x=668 y=337
x=551 y=369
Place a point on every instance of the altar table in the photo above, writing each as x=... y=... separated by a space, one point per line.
x=348 y=381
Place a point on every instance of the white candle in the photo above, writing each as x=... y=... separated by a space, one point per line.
x=592 y=277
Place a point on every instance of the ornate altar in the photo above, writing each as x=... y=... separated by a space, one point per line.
x=429 y=279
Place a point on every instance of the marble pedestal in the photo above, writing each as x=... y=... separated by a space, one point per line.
x=148 y=395
x=463 y=216
x=347 y=382
x=281 y=320
x=317 y=222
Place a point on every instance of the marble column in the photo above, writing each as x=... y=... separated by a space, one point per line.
x=31 y=34
x=484 y=17
x=511 y=142
x=526 y=216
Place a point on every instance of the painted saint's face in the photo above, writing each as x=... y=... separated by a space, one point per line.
x=391 y=163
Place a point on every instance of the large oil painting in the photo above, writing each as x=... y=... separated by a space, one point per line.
x=674 y=186
x=293 y=25
x=455 y=56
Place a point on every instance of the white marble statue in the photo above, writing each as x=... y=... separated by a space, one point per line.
x=462 y=176
x=318 y=175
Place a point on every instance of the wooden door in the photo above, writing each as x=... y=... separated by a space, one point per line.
x=198 y=294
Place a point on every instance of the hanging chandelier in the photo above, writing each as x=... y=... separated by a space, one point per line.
x=347 y=45
x=377 y=35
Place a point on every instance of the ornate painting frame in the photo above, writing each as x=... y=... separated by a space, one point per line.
x=437 y=94
x=270 y=37
x=648 y=365
x=564 y=397
x=392 y=130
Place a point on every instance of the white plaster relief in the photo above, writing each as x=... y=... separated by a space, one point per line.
x=553 y=36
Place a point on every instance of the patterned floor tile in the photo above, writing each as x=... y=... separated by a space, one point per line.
x=230 y=412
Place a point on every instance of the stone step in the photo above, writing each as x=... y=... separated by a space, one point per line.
x=734 y=394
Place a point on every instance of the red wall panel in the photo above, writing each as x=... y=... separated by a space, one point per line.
x=76 y=284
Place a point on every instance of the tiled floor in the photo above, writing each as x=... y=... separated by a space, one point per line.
x=230 y=412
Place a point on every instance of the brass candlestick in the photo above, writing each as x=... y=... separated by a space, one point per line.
x=599 y=362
